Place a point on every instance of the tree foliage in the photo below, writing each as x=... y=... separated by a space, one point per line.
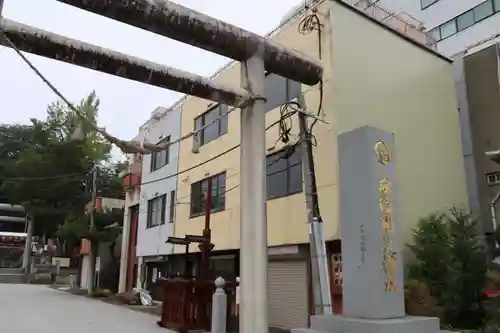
x=450 y=259
x=45 y=169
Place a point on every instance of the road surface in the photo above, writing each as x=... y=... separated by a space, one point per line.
x=36 y=309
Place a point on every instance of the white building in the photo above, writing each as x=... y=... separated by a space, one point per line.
x=455 y=24
x=129 y=267
x=151 y=185
x=158 y=193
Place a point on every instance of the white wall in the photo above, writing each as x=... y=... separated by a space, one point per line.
x=151 y=241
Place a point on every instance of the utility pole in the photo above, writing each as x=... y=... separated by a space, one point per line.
x=317 y=249
x=93 y=247
x=206 y=245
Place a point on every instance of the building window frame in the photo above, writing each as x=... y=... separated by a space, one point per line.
x=284 y=166
x=199 y=193
x=171 y=212
x=495 y=9
x=156 y=211
x=425 y=5
x=292 y=89
x=220 y=127
x=160 y=158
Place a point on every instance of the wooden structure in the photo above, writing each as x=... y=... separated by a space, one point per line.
x=187 y=304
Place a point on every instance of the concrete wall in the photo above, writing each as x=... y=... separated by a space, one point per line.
x=467 y=144
x=404 y=89
x=151 y=241
x=481 y=72
x=372 y=77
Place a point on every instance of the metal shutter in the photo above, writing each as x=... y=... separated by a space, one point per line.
x=288 y=296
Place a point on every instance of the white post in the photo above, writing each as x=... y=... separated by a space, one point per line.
x=27 y=245
x=238 y=296
x=122 y=281
x=253 y=253
x=140 y=273
x=219 y=307
x=93 y=248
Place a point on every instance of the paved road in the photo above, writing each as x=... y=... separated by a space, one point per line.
x=39 y=309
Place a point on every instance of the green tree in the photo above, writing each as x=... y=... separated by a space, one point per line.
x=433 y=255
x=107 y=229
x=38 y=154
x=451 y=260
x=469 y=268
x=62 y=121
x=109 y=182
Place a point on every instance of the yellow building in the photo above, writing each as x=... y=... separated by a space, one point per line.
x=374 y=75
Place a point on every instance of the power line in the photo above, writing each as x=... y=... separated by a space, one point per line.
x=125 y=146
x=292 y=110
x=68 y=175
x=208 y=160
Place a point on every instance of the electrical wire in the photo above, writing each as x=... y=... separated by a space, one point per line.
x=210 y=159
x=68 y=175
x=127 y=147
x=309 y=24
x=291 y=108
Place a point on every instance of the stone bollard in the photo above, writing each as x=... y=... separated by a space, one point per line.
x=219 y=307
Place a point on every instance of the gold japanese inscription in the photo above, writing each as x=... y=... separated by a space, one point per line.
x=389 y=255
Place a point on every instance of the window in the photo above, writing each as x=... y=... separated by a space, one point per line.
x=465 y=20
x=171 y=214
x=284 y=173
x=161 y=158
x=427 y=3
x=448 y=29
x=279 y=90
x=199 y=194
x=483 y=10
x=215 y=130
x=493 y=178
x=156 y=211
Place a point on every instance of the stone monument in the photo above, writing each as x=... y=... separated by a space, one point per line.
x=372 y=265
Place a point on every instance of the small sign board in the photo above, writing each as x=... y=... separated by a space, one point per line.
x=61 y=261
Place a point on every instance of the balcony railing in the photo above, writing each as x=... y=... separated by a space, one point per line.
x=131 y=181
x=400 y=22
x=132 y=177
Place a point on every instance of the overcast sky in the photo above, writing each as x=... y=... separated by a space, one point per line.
x=125 y=105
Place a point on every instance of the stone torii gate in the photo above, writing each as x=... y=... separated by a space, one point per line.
x=190 y=27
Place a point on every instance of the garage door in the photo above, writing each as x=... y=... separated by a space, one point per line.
x=288 y=294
